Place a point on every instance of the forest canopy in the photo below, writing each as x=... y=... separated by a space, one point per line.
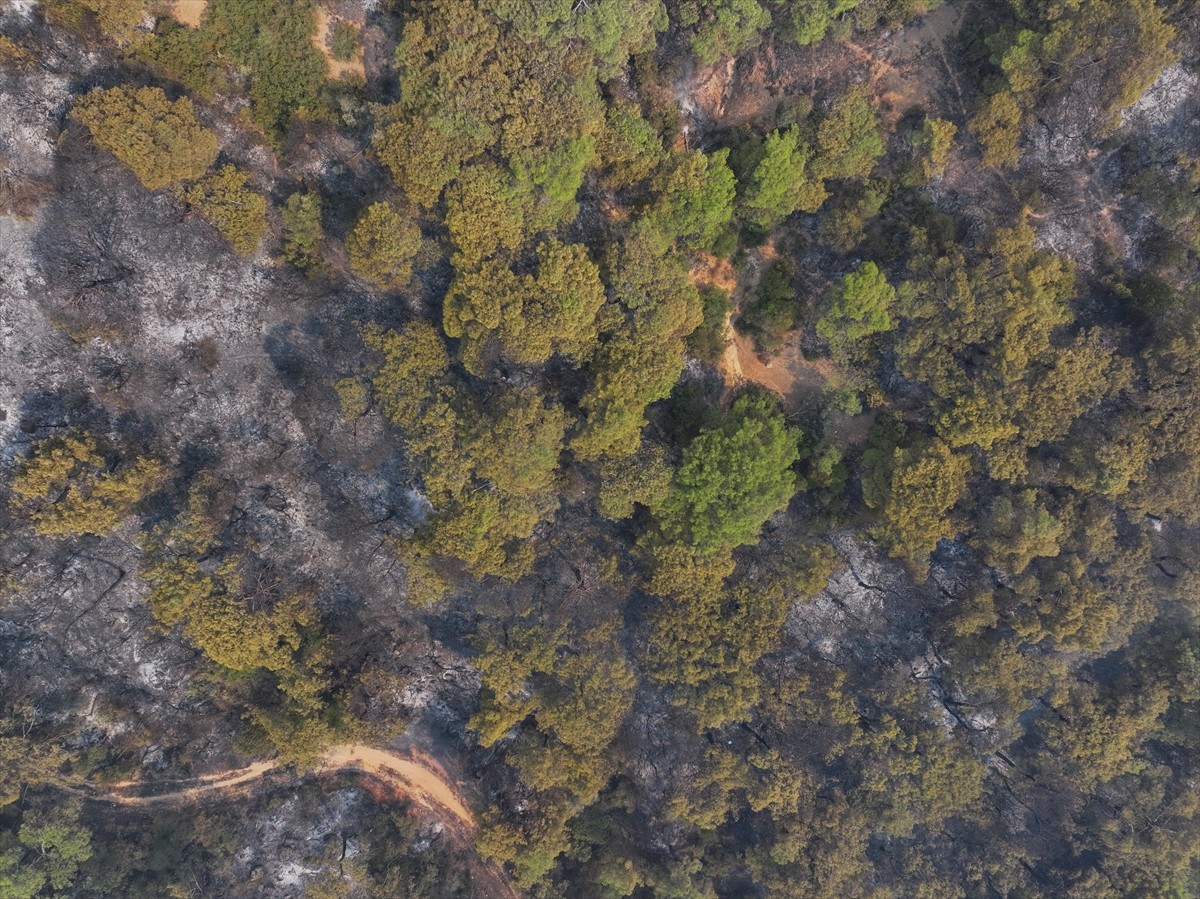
x=722 y=450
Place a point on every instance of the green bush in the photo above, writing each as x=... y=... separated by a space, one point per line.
x=772 y=312
x=302 y=233
x=343 y=40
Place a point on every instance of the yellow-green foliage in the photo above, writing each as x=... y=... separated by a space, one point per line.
x=382 y=245
x=116 y=18
x=238 y=212
x=488 y=472
x=13 y=55
x=998 y=127
x=486 y=211
x=764 y=780
x=533 y=316
x=1002 y=383
x=641 y=357
x=25 y=763
x=849 y=140
x=706 y=641
x=926 y=482
x=644 y=479
x=67 y=489
x=934 y=143
x=158 y=138
x=353 y=396
x=206 y=600
x=578 y=693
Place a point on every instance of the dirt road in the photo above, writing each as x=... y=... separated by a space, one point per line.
x=417 y=776
x=414 y=775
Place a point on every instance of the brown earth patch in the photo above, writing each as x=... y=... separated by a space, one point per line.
x=189 y=12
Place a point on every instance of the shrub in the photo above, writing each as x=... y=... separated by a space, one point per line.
x=237 y=212
x=302 y=233
x=382 y=246
x=343 y=40
x=159 y=139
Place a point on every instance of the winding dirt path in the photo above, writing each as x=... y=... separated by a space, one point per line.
x=418 y=776
x=414 y=775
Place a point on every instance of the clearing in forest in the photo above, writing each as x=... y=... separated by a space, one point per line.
x=189 y=12
x=338 y=68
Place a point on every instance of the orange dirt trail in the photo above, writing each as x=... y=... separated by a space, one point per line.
x=415 y=775
x=419 y=777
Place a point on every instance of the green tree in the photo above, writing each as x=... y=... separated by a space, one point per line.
x=811 y=19
x=773 y=310
x=186 y=55
x=382 y=246
x=733 y=478
x=159 y=139
x=302 y=234
x=932 y=145
x=643 y=479
x=925 y=483
x=60 y=842
x=50 y=846
x=343 y=40
x=860 y=306
x=271 y=40
x=781 y=182
x=998 y=126
x=695 y=199
x=849 y=139
x=726 y=27
x=629 y=149
x=486 y=211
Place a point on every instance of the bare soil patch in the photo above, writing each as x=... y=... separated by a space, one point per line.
x=796 y=380
x=189 y=12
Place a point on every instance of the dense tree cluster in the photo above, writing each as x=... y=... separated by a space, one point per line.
x=912 y=616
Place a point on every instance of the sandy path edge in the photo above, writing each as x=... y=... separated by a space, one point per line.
x=416 y=775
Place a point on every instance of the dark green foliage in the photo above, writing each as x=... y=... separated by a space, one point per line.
x=733 y=478
x=781 y=182
x=707 y=342
x=273 y=40
x=186 y=55
x=860 y=306
x=722 y=28
x=773 y=310
x=302 y=233
x=695 y=199
x=849 y=140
